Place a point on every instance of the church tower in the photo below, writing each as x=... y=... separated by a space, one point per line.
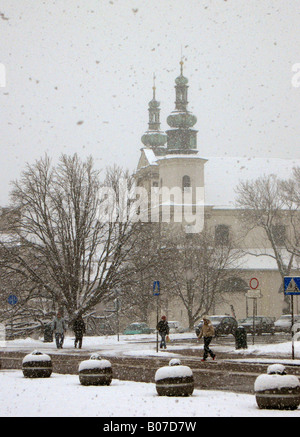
x=174 y=167
x=182 y=138
x=154 y=138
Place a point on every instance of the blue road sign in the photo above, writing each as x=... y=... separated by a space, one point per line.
x=292 y=285
x=12 y=300
x=156 y=288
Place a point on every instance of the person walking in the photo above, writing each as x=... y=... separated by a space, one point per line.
x=163 y=330
x=207 y=332
x=59 y=329
x=79 y=330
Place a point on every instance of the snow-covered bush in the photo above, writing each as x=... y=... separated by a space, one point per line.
x=174 y=380
x=276 y=369
x=37 y=365
x=95 y=371
x=276 y=390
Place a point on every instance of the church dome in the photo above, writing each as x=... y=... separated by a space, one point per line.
x=154 y=104
x=181 y=80
x=181 y=120
x=154 y=139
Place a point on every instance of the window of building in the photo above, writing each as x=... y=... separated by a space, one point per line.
x=279 y=234
x=186 y=183
x=222 y=235
x=234 y=285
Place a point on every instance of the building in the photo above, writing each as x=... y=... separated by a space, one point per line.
x=170 y=159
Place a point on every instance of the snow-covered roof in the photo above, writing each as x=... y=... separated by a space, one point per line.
x=150 y=155
x=174 y=156
x=257 y=259
x=223 y=174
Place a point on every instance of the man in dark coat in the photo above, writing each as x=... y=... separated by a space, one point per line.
x=79 y=330
x=163 y=329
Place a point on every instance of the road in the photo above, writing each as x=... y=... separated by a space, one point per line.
x=231 y=372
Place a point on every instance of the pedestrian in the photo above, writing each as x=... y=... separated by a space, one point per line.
x=59 y=329
x=79 y=330
x=207 y=332
x=163 y=330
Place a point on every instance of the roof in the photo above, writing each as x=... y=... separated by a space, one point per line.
x=263 y=259
x=223 y=174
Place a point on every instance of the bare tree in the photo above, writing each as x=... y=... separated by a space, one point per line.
x=143 y=266
x=268 y=204
x=290 y=192
x=70 y=245
x=194 y=268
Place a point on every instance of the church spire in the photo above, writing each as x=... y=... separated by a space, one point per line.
x=154 y=137
x=181 y=138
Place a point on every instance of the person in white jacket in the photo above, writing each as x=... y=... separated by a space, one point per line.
x=59 y=329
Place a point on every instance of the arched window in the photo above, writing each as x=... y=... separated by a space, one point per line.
x=235 y=284
x=186 y=183
x=222 y=235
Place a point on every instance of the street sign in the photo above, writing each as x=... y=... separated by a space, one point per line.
x=254 y=294
x=292 y=288
x=292 y=285
x=12 y=300
x=156 y=288
x=254 y=283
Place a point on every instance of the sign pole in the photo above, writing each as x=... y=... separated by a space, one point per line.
x=293 y=339
x=156 y=292
x=157 y=324
x=253 y=334
x=292 y=288
x=12 y=300
x=253 y=294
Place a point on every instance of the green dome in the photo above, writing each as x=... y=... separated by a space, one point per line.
x=154 y=139
x=181 y=80
x=181 y=120
x=154 y=104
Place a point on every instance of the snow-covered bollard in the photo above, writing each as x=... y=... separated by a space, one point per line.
x=37 y=365
x=95 y=371
x=277 y=390
x=174 y=380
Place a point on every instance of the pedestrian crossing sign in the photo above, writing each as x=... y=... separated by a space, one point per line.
x=292 y=285
x=156 y=288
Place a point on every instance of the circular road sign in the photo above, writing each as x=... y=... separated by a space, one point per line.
x=254 y=283
x=12 y=299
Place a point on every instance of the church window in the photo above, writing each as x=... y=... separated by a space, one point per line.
x=222 y=235
x=279 y=234
x=186 y=183
x=235 y=284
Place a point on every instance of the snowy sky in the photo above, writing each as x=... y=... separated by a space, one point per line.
x=79 y=77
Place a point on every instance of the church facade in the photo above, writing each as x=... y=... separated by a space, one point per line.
x=170 y=160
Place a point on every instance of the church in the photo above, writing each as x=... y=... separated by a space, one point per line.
x=170 y=159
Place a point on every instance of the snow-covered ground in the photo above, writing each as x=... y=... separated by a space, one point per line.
x=62 y=395
x=145 y=345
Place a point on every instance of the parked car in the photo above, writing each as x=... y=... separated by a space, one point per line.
x=137 y=328
x=223 y=325
x=175 y=327
x=262 y=325
x=296 y=327
x=284 y=323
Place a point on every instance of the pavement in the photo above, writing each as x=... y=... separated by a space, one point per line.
x=136 y=359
